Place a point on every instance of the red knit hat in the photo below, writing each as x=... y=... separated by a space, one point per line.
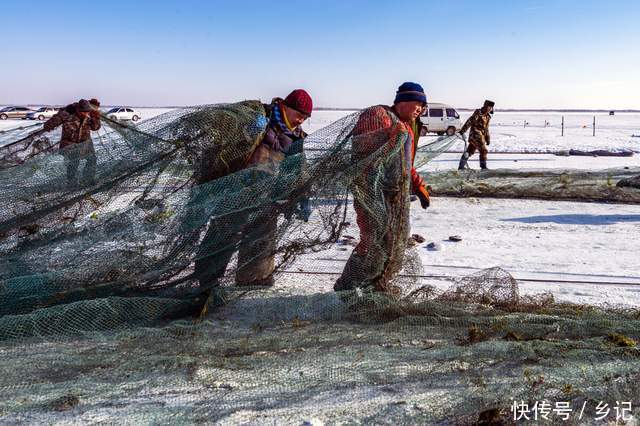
x=299 y=100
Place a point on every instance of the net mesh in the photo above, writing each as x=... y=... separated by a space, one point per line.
x=119 y=295
x=611 y=185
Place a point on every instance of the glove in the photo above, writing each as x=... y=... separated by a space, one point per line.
x=423 y=196
x=303 y=211
x=488 y=143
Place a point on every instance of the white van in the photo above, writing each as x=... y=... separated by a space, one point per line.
x=441 y=119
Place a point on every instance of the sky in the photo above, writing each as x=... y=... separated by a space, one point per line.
x=521 y=54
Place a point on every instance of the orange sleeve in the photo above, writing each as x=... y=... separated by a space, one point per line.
x=371 y=131
x=417 y=183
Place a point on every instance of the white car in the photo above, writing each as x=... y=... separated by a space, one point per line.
x=123 y=113
x=441 y=119
x=42 y=113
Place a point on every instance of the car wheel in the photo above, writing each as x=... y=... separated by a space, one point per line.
x=135 y=118
x=3 y=116
x=41 y=117
x=451 y=131
x=440 y=133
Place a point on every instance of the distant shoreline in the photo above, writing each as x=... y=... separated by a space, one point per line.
x=357 y=109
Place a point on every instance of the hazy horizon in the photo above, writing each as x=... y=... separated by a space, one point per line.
x=329 y=108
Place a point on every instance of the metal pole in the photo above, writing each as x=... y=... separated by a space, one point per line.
x=594 y=125
x=562 y=126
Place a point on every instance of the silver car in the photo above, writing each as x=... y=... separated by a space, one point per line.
x=14 y=112
x=42 y=113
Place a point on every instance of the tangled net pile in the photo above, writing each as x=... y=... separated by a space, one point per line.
x=98 y=294
x=599 y=186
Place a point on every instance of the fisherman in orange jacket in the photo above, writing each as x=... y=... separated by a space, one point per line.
x=384 y=144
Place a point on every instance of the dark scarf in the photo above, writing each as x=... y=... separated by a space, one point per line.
x=277 y=120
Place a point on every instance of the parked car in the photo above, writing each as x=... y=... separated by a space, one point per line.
x=124 y=113
x=441 y=119
x=14 y=112
x=42 y=113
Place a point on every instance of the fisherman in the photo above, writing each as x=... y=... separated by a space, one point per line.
x=78 y=120
x=479 y=138
x=253 y=232
x=384 y=143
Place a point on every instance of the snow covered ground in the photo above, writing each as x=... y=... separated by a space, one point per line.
x=509 y=134
x=533 y=161
x=583 y=250
x=561 y=241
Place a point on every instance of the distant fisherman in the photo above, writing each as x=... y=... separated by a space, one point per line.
x=479 y=138
x=77 y=121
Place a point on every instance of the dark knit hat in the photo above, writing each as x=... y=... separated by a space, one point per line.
x=84 y=105
x=408 y=92
x=488 y=103
x=300 y=101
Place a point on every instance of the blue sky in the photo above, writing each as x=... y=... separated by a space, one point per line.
x=534 y=54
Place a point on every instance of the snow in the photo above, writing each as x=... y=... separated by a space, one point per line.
x=533 y=161
x=508 y=133
x=540 y=240
x=531 y=239
x=584 y=243
x=14 y=124
x=563 y=241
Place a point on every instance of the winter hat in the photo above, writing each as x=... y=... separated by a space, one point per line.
x=299 y=100
x=488 y=103
x=84 y=106
x=408 y=92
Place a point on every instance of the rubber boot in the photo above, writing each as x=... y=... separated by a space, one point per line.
x=463 y=161
x=483 y=164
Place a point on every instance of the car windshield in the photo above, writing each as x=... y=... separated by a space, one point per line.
x=113 y=110
x=43 y=109
x=5 y=109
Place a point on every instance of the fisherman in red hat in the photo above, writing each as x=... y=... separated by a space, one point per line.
x=253 y=233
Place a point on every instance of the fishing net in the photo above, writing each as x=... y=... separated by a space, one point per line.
x=610 y=185
x=120 y=298
x=150 y=222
